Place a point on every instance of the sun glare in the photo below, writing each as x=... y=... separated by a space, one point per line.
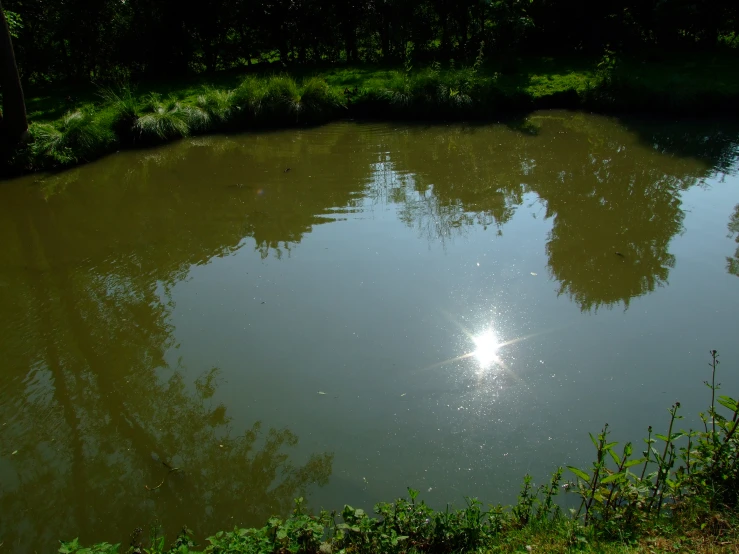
x=486 y=351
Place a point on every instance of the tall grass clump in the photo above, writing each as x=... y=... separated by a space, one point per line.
x=217 y=105
x=124 y=110
x=281 y=102
x=78 y=136
x=430 y=93
x=319 y=101
x=247 y=100
x=168 y=119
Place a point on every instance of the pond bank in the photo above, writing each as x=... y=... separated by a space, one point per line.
x=66 y=132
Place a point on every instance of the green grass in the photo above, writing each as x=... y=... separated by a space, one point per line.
x=680 y=494
x=73 y=126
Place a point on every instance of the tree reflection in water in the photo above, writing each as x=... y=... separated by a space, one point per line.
x=90 y=409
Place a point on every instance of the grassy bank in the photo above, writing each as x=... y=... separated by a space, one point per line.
x=678 y=494
x=73 y=126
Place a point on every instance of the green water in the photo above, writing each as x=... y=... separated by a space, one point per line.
x=442 y=307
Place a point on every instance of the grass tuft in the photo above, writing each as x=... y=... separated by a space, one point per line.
x=319 y=101
x=168 y=119
x=217 y=105
x=79 y=136
x=247 y=99
x=123 y=108
x=281 y=99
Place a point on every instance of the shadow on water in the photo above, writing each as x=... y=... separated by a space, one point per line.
x=714 y=142
x=92 y=412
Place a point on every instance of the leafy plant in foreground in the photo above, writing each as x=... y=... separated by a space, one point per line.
x=614 y=498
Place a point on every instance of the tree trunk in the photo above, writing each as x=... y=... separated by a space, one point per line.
x=14 y=122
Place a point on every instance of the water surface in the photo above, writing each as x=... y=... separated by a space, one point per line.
x=345 y=311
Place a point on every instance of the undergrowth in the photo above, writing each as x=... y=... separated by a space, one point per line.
x=122 y=118
x=677 y=494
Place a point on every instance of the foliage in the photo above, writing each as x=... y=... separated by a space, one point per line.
x=79 y=136
x=120 y=117
x=74 y=547
x=622 y=497
x=80 y=41
x=168 y=119
x=123 y=108
x=15 y=23
x=247 y=98
x=217 y=105
x=619 y=499
x=281 y=99
x=319 y=101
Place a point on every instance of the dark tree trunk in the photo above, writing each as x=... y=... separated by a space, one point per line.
x=14 y=123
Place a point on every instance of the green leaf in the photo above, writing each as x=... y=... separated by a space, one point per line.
x=281 y=534
x=660 y=437
x=580 y=473
x=70 y=546
x=632 y=463
x=611 y=478
x=615 y=457
x=728 y=402
x=592 y=438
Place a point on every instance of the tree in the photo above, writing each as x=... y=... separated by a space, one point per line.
x=14 y=124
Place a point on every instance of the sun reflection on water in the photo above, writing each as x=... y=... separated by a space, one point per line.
x=486 y=351
x=489 y=352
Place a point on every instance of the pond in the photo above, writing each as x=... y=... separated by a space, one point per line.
x=346 y=311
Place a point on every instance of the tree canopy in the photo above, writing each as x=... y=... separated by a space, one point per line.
x=84 y=39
